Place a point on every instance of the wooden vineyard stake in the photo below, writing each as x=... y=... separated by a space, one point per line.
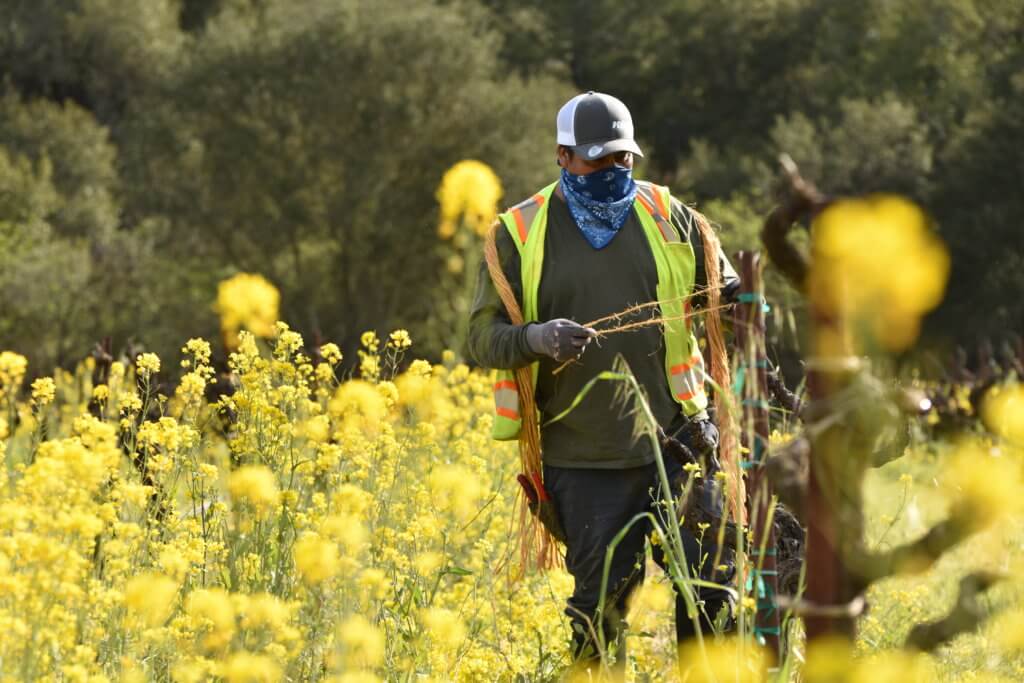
x=751 y=383
x=831 y=502
x=853 y=421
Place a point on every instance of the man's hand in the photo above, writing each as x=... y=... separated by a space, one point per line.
x=701 y=435
x=560 y=339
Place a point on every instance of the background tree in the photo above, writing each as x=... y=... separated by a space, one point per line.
x=148 y=150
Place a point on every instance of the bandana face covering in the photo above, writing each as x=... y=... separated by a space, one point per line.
x=599 y=202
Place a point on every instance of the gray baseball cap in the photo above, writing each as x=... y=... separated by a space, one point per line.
x=596 y=125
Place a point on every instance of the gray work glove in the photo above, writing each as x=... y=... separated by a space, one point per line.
x=560 y=339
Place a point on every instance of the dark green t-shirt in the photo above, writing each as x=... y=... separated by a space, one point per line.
x=582 y=283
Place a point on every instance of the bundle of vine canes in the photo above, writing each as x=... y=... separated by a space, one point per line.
x=537 y=547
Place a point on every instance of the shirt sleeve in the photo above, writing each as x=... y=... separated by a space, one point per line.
x=685 y=222
x=493 y=341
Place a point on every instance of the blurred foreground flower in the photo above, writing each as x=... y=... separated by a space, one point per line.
x=831 y=660
x=456 y=488
x=151 y=597
x=983 y=483
x=12 y=369
x=363 y=642
x=1003 y=412
x=652 y=600
x=358 y=406
x=255 y=485
x=246 y=667
x=722 y=660
x=213 y=613
x=444 y=626
x=1008 y=631
x=316 y=558
x=246 y=301
x=469 y=190
x=877 y=264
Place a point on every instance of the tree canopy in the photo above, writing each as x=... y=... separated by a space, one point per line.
x=150 y=149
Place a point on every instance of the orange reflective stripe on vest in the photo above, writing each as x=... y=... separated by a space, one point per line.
x=686 y=380
x=524 y=213
x=652 y=201
x=662 y=209
x=506 y=399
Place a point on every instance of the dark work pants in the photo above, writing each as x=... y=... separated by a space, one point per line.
x=594 y=505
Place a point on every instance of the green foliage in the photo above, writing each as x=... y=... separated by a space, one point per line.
x=981 y=211
x=149 y=149
x=872 y=146
x=307 y=146
x=919 y=97
x=300 y=140
x=83 y=161
x=98 y=53
x=67 y=273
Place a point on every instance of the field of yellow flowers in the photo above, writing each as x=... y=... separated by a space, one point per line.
x=301 y=528
x=311 y=527
x=161 y=521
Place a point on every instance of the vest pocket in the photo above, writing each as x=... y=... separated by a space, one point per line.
x=682 y=265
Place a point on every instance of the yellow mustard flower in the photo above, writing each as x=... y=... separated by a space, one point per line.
x=316 y=558
x=982 y=485
x=213 y=615
x=723 y=660
x=400 y=340
x=12 y=370
x=876 y=262
x=469 y=192
x=444 y=626
x=255 y=485
x=362 y=641
x=248 y=667
x=147 y=364
x=330 y=353
x=247 y=301
x=43 y=391
x=151 y=597
x=1003 y=412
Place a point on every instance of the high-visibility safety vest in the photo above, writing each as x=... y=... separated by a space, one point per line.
x=527 y=223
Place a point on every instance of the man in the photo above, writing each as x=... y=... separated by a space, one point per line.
x=593 y=244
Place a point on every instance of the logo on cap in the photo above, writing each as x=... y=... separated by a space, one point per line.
x=594 y=151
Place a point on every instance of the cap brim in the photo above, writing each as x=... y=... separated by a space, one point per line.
x=596 y=150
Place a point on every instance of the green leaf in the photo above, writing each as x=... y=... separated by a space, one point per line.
x=457 y=571
x=605 y=375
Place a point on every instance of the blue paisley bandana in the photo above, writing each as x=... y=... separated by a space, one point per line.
x=599 y=202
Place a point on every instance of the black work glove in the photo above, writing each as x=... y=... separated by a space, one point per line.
x=701 y=436
x=560 y=339
x=696 y=442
